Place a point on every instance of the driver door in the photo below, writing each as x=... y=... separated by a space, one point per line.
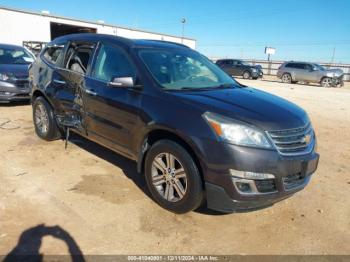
x=111 y=112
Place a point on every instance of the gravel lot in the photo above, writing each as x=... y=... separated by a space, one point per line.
x=93 y=200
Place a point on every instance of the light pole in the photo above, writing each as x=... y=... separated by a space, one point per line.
x=333 y=55
x=183 y=21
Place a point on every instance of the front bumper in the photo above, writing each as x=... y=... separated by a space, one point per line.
x=18 y=91
x=292 y=174
x=337 y=81
x=257 y=74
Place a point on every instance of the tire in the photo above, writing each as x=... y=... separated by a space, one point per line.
x=44 y=121
x=180 y=190
x=326 y=82
x=246 y=75
x=286 y=78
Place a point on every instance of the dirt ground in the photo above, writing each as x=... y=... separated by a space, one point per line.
x=93 y=201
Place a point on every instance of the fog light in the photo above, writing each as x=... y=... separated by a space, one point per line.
x=250 y=175
x=243 y=187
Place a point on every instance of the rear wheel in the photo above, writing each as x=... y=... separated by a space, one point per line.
x=287 y=78
x=326 y=82
x=246 y=75
x=173 y=178
x=44 y=120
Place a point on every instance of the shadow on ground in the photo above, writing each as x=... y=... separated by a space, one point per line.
x=29 y=243
x=128 y=166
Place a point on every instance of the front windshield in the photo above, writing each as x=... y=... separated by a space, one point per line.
x=15 y=56
x=245 y=63
x=176 y=69
x=319 y=67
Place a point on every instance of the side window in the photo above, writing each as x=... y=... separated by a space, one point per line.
x=53 y=53
x=229 y=62
x=307 y=67
x=291 y=65
x=301 y=66
x=112 y=62
x=78 y=57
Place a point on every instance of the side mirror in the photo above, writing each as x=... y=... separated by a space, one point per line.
x=122 y=82
x=312 y=69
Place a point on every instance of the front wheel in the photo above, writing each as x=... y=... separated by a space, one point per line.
x=173 y=178
x=246 y=75
x=44 y=120
x=326 y=82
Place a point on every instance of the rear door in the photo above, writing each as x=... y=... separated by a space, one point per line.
x=227 y=66
x=75 y=67
x=111 y=112
x=238 y=67
x=296 y=71
x=311 y=74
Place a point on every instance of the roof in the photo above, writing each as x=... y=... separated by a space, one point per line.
x=299 y=62
x=8 y=46
x=126 y=41
x=90 y=22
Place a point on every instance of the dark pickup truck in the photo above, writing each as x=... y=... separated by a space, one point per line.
x=197 y=135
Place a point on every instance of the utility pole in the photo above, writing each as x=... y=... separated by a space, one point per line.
x=333 y=55
x=183 y=21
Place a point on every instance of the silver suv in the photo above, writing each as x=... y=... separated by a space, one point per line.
x=292 y=72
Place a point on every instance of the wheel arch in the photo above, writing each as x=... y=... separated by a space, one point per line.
x=158 y=134
x=38 y=93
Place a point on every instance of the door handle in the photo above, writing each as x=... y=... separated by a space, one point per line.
x=59 y=82
x=90 y=92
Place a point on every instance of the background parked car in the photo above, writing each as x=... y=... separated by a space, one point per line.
x=235 y=67
x=14 y=65
x=292 y=72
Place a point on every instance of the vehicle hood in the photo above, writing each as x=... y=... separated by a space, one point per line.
x=18 y=70
x=264 y=110
x=258 y=67
x=334 y=72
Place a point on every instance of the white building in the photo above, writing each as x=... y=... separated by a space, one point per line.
x=18 y=26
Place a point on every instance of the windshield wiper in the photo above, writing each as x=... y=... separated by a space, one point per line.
x=187 y=88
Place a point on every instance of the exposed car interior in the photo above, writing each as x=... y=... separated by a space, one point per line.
x=78 y=56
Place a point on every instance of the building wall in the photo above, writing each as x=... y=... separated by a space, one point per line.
x=19 y=26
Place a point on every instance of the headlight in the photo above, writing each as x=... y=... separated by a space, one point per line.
x=4 y=77
x=254 y=70
x=236 y=133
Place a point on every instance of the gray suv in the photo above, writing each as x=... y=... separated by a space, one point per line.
x=292 y=72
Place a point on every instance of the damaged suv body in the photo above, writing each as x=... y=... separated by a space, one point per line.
x=197 y=135
x=292 y=72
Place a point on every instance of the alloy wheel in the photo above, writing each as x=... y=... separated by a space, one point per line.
x=246 y=75
x=41 y=118
x=169 y=177
x=286 y=78
x=327 y=82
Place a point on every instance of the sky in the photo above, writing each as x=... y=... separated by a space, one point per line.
x=308 y=30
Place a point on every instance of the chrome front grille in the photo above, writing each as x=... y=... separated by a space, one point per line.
x=295 y=141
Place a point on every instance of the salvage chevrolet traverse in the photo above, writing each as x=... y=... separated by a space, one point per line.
x=197 y=135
